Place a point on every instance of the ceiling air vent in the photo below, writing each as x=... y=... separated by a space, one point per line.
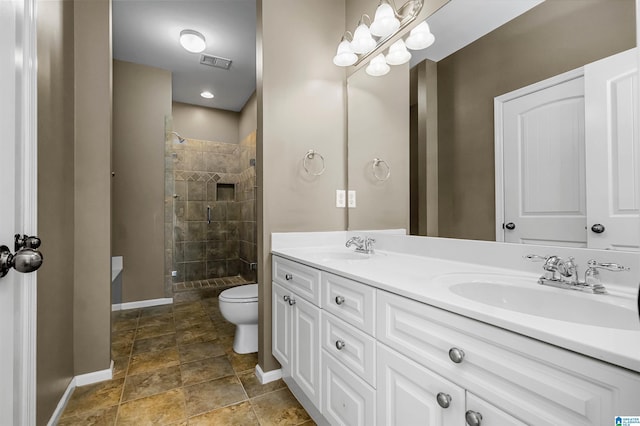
x=214 y=61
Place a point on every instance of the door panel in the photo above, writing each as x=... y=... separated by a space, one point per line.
x=544 y=166
x=612 y=125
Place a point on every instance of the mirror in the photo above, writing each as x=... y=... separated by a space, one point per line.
x=458 y=89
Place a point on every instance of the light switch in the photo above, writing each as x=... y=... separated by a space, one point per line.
x=341 y=198
x=352 y=199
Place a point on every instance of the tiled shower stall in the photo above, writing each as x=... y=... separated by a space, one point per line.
x=210 y=216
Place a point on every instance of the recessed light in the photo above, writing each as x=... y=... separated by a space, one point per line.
x=192 y=41
x=206 y=94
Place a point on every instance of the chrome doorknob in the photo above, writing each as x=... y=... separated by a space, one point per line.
x=25 y=260
x=598 y=228
x=473 y=418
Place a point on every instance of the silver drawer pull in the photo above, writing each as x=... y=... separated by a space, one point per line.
x=340 y=344
x=339 y=300
x=443 y=399
x=291 y=301
x=456 y=355
x=473 y=418
x=288 y=277
x=286 y=298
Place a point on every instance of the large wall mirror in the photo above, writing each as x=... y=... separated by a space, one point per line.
x=444 y=174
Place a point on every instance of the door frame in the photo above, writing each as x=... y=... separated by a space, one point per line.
x=24 y=387
x=498 y=109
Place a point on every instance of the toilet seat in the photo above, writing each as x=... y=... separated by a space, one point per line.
x=240 y=294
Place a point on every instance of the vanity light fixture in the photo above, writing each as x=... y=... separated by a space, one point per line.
x=345 y=55
x=420 y=37
x=207 y=94
x=378 y=66
x=362 y=41
x=192 y=41
x=398 y=53
x=385 y=22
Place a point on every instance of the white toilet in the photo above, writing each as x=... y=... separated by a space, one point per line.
x=239 y=306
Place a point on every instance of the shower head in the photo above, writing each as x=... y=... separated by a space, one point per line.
x=180 y=138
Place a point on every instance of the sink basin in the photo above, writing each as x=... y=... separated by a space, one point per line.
x=533 y=299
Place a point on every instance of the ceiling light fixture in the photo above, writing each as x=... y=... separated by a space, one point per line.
x=206 y=94
x=192 y=41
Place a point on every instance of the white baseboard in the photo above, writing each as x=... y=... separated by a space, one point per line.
x=95 y=377
x=269 y=376
x=81 y=380
x=141 y=304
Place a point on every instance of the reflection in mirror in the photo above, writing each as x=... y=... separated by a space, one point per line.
x=452 y=98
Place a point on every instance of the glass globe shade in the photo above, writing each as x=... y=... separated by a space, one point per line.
x=378 y=66
x=398 y=54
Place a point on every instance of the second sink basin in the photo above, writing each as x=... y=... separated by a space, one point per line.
x=534 y=299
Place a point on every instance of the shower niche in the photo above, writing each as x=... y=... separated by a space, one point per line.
x=210 y=215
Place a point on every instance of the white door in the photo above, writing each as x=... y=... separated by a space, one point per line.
x=281 y=327
x=490 y=414
x=612 y=125
x=17 y=209
x=408 y=394
x=305 y=350
x=544 y=165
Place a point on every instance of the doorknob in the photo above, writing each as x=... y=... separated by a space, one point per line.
x=26 y=259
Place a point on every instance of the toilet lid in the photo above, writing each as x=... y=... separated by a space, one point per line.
x=240 y=294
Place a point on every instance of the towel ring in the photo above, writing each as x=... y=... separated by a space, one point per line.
x=310 y=155
x=376 y=163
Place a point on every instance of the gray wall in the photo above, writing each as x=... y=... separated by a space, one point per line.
x=207 y=124
x=248 y=117
x=300 y=107
x=141 y=101
x=55 y=204
x=552 y=38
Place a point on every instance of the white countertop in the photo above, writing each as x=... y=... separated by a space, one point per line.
x=419 y=278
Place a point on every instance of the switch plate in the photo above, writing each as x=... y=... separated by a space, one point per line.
x=341 y=198
x=174 y=273
x=352 y=199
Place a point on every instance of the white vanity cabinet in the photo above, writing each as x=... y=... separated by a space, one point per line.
x=296 y=325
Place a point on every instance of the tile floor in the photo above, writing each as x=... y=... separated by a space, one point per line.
x=174 y=365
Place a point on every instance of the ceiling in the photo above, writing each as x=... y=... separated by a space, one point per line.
x=461 y=22
x=147 y=32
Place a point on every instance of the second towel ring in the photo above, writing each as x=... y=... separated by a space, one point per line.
x=376 y=166
x=310 y=155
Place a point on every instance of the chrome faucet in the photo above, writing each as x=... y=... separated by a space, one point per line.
x=564 y=273
x=363 y=245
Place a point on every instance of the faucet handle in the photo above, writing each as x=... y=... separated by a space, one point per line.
x=536 y=258
x=608 y=266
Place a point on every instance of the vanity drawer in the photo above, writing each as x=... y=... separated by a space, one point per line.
x=355 y=349
x=350 y=301
x=538 y=383
x=302 y=279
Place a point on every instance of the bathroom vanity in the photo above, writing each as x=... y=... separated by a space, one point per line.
x=408 y=335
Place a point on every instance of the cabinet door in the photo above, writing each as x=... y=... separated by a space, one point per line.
x=347 y=400
x=305 y=349
x=407 y=393
x=491 y=415
x=281 y=326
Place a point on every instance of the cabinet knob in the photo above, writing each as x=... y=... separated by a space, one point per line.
x=473 y=418
x=286 y=298
x=598 y=228
x=288 y=277
x=443 y=399
x=339 y=300
x=510 y=226
x=340 y=344
x=456 y=355
x=291 y=301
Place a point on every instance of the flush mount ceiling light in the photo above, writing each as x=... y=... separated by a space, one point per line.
x=362 y=41
x=345 y=55
x=206 y=94
x=385 y=22
x=398 y=54
x=420 y=37
x=192 y=41
x=378 y=66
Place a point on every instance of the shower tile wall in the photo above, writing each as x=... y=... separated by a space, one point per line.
x=209 y=174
